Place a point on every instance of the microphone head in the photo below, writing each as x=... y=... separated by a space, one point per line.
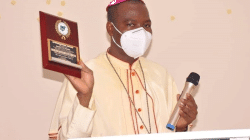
x=193 y=78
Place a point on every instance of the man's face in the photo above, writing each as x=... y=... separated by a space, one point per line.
x=130 y=16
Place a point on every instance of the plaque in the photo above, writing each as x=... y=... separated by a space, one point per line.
x=60 y=45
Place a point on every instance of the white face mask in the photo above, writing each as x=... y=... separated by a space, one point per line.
x=134 y=42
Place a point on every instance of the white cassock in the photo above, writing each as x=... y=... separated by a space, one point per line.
x=117 y=107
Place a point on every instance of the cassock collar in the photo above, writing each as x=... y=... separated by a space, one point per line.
x=122 y=64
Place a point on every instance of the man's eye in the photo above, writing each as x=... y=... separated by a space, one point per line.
x=147 y=25
x=130 y=24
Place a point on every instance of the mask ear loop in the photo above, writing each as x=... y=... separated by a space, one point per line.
x=113 y=37
x=116 y=28
x=115 y=42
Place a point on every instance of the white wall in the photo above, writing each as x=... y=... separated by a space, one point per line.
x=203 y=38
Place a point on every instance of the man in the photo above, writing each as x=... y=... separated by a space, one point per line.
x=120 y=92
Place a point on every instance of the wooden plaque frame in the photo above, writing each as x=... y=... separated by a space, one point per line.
x=49 y=32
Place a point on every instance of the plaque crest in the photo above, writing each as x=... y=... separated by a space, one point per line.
x=62 y=28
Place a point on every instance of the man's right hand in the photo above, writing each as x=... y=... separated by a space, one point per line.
x=83 y=85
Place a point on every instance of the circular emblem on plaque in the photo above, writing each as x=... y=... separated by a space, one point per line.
x=62 y=28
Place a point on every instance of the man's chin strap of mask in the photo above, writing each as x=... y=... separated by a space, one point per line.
x=113 y=37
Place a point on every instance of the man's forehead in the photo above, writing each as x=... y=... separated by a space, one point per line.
x=135 y=20
x=131 y=12
x=115 y=2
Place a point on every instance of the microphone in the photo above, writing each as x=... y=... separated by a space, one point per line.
x=191 y=83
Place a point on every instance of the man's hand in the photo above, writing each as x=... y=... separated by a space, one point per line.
x=188 y=112
x=83 y=85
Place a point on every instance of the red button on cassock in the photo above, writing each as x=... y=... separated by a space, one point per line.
x=139 y=109
x=133 y=73
x=141 y=127
x=137 y=91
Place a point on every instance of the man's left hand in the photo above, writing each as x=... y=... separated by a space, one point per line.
x=188 y=112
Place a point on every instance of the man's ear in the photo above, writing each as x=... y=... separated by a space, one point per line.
x=110 y=28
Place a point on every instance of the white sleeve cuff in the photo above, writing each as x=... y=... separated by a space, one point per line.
x=82 y=118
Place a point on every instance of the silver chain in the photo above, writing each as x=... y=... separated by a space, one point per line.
x=149 y=131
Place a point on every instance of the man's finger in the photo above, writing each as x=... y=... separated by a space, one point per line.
x=70 y=78
x=178 y=97
x=84 y=67
x=185 y=109
x=190 y=97
x=191 y=113
x=191 y=102
x=77 y=83
x=184 y=115
x=188 y=103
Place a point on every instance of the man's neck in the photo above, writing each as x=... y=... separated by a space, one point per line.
x=120 y=54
